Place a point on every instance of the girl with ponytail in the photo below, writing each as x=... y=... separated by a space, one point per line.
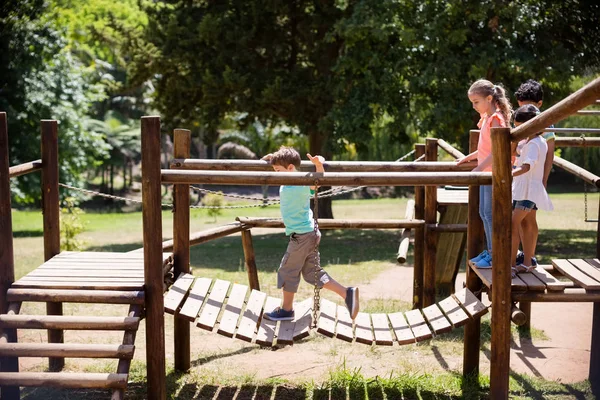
x=491 y=103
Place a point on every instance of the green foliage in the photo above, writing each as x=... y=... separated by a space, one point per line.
x=71 y=226
x=213 y=200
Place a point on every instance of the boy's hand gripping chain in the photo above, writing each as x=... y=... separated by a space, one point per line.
x=317 y=296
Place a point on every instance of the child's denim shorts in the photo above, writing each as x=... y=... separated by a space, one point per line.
x=525 y=205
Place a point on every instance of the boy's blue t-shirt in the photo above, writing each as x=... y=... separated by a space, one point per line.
x=295 y=209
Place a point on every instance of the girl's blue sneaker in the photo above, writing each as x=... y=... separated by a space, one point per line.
x=485 y=262
x=479 y=257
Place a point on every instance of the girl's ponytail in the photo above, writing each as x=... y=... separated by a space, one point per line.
x=499 y=97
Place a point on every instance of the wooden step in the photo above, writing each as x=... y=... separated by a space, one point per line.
x=64 y=380
x=77 y=296
x=68 y=322
x=69 y=350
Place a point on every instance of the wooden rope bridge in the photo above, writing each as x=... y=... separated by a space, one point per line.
x=234 y=310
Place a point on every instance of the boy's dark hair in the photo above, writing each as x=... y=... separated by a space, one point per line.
x=526 y=112
x=286 y=156
x=530 y=91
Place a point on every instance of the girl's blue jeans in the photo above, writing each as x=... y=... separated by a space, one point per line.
x=485 y=212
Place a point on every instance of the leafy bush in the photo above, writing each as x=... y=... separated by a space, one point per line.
x=213 y=200
x=71 y=226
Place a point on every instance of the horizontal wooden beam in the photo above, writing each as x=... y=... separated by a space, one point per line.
x=25 y=168
x=338 y=223
x=328 y=178
x=330 y=166
x=64 y=380
x=575 y=295
x=589 y=112
x=208 y=235
x=70 y=350
x=446 y=227
x=68 y=322
x=570 y=105
x=76 y=296
x=577 y=171
x=566 y=131
x=448 y=148
x=577 y=142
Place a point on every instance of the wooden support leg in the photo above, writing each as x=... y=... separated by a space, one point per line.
x=10 y=364
x=250 y=259
x=594 y=375
x=525 y=306
x=419 y=238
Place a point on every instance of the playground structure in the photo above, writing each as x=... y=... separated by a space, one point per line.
x=138 y=278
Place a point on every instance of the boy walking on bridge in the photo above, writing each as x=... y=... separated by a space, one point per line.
x=302 y=254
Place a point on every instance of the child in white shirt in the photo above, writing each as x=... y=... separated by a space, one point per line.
x=528 y=190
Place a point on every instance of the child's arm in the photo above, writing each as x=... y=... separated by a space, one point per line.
x=549 y=161
x=523 y=169
x=318 y=161
x=483 y=165
x=467 y=158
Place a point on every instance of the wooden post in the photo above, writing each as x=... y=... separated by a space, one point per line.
x=51 y=212
x=502 y=261
x=419 y=238
x=475 y=243
x=250 y=259
x=153 y=259
x=7 y=266
x=594 y=375
x=429 y=256
x=182 y=139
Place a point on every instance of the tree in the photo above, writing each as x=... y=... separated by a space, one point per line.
x=41 y=79
x=327 y=68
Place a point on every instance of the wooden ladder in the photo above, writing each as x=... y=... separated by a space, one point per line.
x=10 y=350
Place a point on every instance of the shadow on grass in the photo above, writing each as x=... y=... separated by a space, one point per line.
x=28 y=233
x=555 y=243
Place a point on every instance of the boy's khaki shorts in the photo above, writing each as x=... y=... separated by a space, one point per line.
x=301 y=258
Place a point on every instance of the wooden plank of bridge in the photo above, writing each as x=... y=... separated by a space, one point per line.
x=362 y=330
x=454 y=311
x=233 y=310
x=251 y=316
x=533 y=283
x=439 y=323
x=552 y=284
x=214 y=303
x=286 y=328
x=327 y=316
x=485 y=274
x=594 y=262
x=344 y=327
x=586 y=268
x=267 y=328
x=381 y=328
x=303 y=319
x=577 y=276
x=470 y=303
x=401 y=328
x=177 y=293
x=418 y=325
x=195 y=299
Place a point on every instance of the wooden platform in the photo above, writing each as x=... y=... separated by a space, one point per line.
x=77 y=277
x=236 y=311
x=580 y=280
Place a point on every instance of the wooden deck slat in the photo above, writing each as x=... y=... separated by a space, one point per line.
x=438 y=321
x=91 y=273
x=51 y=284
x=418 y=325
x=303 y=319
x=195 y=299
x=233 y=310
x=532 y=282
x=470 y=303
x=266 y=330
x=48 y=266
x=362 y=330
x=286 y=328
x=214 y=303
x=67 y=279
x=344 y=328
x=594 y=262
x=573 y=273
x=552 y=284
x=251 y=316
x=381 y=328
x=177 y=292
x=485 y=274
x=327 y=317
x=588 y=269
x=401 y=328
x=454 y=311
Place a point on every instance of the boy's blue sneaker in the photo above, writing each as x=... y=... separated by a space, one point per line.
x=352 y=301
x=534 y=261
x=279 y=314
x=485 y=262
x=478 y=257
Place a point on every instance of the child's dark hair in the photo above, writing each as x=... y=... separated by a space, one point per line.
x=530 y=91
x=486 y=88
x=286 y=156
x=526 y=112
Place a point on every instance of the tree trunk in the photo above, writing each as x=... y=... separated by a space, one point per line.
x=103 y=183
x=112 y=179
x=130 y=173
x=316 y=147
